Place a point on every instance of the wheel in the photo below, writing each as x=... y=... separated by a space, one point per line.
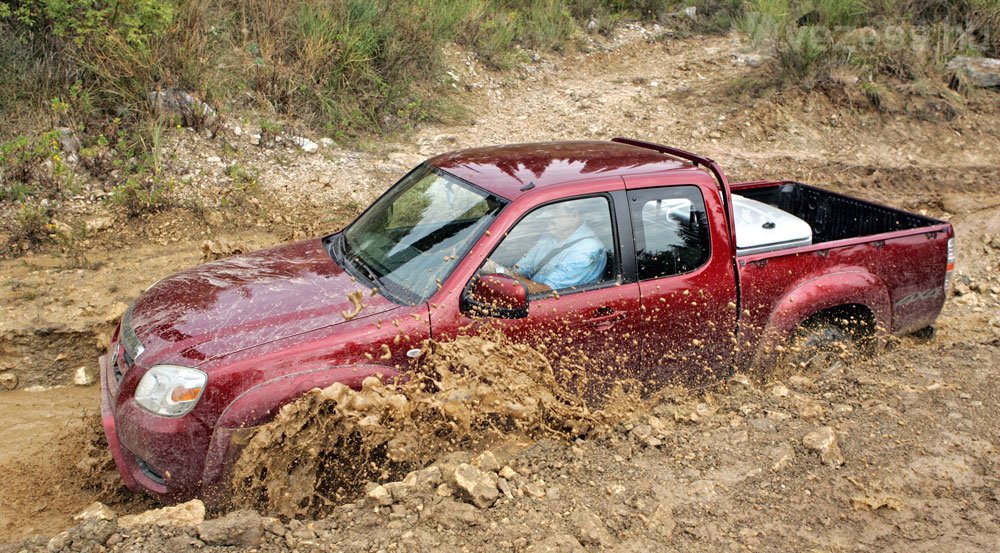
x=819 y=347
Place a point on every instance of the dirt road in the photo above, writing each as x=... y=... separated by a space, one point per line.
x=732 y=469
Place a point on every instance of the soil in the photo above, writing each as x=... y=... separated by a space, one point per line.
x=899 y=452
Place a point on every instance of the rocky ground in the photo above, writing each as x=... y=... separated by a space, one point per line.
x=895 y=453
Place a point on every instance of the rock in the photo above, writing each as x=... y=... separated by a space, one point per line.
x=115 y=312
x=307 y=146
x=749 y=59
x=509 y=473
x=58 y=542
x=404 y=159
x=560 y=543
x=803 y=383
x=981 y=72
x=505 y=488
x=534 y=489
x=85 y=375
x=429 y=477
x=590 y=529
x=641 y=431
x=98 y=224
x=824 y=442
x=213 y=160
x=69 y=143
x=191 y=513
x=379 y=495
x=779 y=390
x=781 y=456
x=808 y=409
x=8 y=380
x=95 y=511
x=487 y=462
x=474 y=485
x=242 y=528
x=326 y=142
x=191 y=109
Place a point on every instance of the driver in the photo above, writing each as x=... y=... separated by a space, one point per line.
x=570 y=255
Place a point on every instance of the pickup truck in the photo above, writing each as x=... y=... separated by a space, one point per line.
x=628 y=252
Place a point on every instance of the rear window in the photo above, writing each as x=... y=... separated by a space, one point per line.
x=671 y=231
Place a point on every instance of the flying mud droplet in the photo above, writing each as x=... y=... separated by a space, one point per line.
x=462 y=395
x=355 y=298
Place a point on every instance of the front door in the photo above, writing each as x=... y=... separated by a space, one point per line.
x=581 y=312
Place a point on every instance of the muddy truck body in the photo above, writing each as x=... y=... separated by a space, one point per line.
x=695 y=278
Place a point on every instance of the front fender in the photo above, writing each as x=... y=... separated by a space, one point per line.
x=858 y=287
x=261 y=403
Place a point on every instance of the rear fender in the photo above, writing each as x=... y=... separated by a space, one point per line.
x=261 y=403
x=814 y=296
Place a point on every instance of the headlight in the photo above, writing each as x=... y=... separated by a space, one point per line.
x=170 y=390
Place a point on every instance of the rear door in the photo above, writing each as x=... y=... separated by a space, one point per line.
x=686 y=283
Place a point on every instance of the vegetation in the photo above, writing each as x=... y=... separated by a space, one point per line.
x=891 y=49
x=100 y=71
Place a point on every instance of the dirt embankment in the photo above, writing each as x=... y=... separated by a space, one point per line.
x=897 y=453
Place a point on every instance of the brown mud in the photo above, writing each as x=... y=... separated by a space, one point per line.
x=744 y=466
x=463 y=395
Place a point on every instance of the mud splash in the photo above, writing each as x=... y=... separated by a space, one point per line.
x=462 y=395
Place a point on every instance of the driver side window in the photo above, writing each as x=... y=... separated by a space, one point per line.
x=560 y=246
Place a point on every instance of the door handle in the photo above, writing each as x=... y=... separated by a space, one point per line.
x=604 y=322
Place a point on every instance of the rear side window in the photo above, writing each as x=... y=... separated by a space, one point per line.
x=671 y=230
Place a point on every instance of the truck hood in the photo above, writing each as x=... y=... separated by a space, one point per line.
x=240 y=302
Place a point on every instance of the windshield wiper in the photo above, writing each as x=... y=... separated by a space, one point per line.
x=342 y=248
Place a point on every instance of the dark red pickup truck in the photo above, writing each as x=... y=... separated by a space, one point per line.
x=642 y=256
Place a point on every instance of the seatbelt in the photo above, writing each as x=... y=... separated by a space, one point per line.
x=555 y=251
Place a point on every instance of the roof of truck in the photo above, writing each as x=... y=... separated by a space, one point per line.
x=505 y=170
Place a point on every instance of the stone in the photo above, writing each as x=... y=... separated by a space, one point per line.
x=779 y=390
x=244 y=528
x=534 y=489
x=781 y=456
x=176 y=101
x=8 y=380
x=487 y=461
x=98 y=224
x=824 y=442
x=509 y=473
x=559 y=543
x=95 y=511
x=590 y=529
x=191 y=513
x=808 y=409
x=85 y=375
x=379 y=495
x=981 y=72
x=474 y=485
x=307 y=146
x=115 y=312
x=800 y=382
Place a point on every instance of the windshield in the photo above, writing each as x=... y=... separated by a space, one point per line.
x=409 y=241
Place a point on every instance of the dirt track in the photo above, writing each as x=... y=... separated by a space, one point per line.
x=916 y=426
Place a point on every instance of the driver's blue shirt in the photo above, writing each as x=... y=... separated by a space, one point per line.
x=580 y=260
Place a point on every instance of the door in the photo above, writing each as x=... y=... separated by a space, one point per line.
x=581 y=312
x=687 y=290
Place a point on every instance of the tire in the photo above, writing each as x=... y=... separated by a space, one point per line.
x=819 y=347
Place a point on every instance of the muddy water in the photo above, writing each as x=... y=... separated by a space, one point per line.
x=29 y=419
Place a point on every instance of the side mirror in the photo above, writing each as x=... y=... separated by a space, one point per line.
x=495 y=295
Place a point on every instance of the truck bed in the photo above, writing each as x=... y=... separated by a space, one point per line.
x=898 y=259
x=832 y=216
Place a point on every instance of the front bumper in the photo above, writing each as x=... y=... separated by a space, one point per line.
x=160 y=455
